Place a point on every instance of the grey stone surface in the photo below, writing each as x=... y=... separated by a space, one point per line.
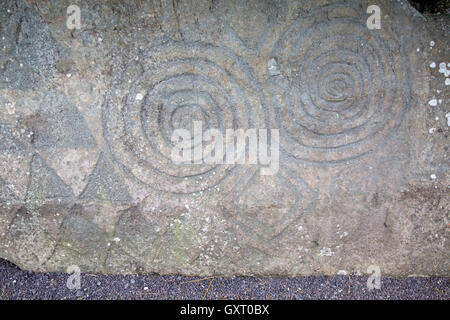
x=86 y=176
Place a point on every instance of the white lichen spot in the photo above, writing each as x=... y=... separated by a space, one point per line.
x=341 y=273
x=432 y=102
x=139 y=97
x=432 y=43
x=432 y=130
x=116 y=239
x=433 y=65
x=326 y=252
x=433 y=176
x=448 y=119
x=447 y=82
x=272 y=65
x=443 y=69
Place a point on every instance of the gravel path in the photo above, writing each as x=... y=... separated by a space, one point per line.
x=17 y=284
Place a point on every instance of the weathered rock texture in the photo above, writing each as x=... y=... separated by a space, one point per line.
x=85 y=172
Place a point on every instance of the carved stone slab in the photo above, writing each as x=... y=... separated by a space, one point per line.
x=87 y=115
